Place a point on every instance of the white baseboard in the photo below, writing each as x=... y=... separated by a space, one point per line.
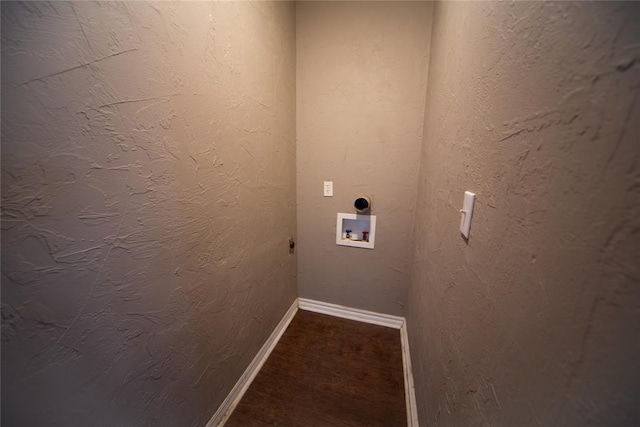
x=224 y=411
x=409 y=389
x=379 y=319
x=357 y=314
x=226 y=408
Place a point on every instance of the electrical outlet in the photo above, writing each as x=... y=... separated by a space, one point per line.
x=328 y=189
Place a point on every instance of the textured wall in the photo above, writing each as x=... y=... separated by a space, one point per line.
x=148 y=195
x=361 y=84
x=536 y=320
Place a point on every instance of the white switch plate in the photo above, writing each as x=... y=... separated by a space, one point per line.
x=328 y=189
x=466 y=213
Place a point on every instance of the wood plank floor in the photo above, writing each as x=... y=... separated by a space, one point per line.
x=327 y=371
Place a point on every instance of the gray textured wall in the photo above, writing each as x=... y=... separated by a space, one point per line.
x=536 y=320
x=148 y=195
x=361 y=85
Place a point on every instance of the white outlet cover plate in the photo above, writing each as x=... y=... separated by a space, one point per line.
x=328 y=189
x=466 y=213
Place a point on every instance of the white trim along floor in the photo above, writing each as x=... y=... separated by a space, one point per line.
x=228 y=405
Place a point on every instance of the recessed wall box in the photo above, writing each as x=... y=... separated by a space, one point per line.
x=362 y=230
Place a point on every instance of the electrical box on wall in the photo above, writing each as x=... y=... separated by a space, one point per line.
x=466 y=213
x=328 y=189
x=358 y=231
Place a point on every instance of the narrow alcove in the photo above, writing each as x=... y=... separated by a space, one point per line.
x=159 y=157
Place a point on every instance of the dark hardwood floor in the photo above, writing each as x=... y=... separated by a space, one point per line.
x=327 y=371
